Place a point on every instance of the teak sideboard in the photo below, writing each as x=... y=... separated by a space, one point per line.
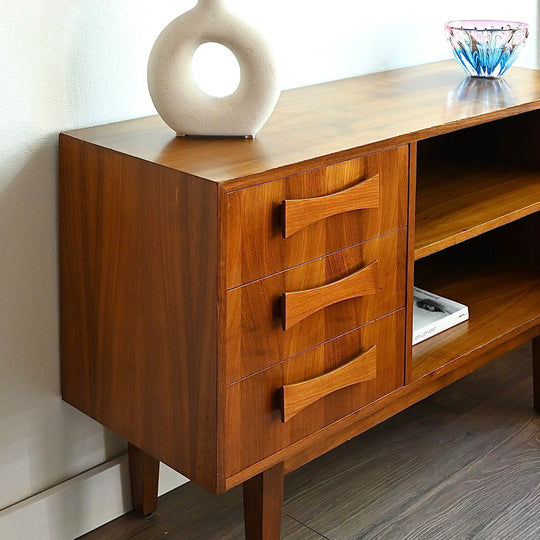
x=236 y=308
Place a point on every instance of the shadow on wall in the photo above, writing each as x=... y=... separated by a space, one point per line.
x=28 y=282
x=43 y=440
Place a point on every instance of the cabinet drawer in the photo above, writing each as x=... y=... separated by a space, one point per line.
x=276 y=317
x=283 y=223
x=255 y=428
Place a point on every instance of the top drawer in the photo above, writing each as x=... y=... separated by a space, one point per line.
x=285 y=222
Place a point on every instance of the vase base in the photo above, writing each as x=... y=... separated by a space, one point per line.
x=193 y=136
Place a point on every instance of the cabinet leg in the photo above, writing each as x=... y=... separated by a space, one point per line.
x=144 y=472
x=536 y=372
x=263 y=500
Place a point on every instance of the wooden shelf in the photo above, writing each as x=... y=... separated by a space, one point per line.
x=503 y=303
x=458 y=202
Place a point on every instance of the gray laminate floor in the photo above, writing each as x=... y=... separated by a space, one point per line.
x=463 y=464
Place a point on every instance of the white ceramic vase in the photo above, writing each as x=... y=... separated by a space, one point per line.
x=178 y=98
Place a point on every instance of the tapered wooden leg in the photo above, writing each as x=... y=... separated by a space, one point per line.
x=144 y=472
x=536 y=372
x=263 y=500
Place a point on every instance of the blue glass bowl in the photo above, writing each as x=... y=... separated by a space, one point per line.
x=486 y=48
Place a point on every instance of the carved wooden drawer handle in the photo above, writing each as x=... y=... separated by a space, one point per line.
x=298 y=305
x=296 y=397
x=298 y=213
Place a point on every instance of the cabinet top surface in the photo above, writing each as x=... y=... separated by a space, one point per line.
x=349 y=117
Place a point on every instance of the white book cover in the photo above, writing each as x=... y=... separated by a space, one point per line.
x=433 y=313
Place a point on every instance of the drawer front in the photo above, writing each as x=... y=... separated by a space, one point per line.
x=276 y=317
x=355 y=369
x=283 y=223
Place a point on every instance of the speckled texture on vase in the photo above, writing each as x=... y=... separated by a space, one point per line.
x=178 y=99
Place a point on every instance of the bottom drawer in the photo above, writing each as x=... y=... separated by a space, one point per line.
x=281 y=405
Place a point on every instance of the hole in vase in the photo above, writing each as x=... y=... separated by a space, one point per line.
x=216 y=69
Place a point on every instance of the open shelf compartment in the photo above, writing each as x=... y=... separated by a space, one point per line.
x=497 y=276
x=475 y=180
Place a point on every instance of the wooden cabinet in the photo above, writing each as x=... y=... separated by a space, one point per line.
x=236 y=308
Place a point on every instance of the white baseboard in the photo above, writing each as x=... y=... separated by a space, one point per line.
x=78 y=505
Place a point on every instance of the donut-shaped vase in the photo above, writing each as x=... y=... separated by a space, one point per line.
x=179 y=100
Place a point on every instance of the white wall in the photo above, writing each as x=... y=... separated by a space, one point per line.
x=67 y=64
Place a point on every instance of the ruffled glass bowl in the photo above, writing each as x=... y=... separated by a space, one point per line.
x=486 y=48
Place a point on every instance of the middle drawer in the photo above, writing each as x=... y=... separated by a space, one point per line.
x=324 y=299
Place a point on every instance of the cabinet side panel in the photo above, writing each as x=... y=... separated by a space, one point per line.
x=138 y=279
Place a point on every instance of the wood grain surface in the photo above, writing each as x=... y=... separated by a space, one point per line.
x=138 y=289
x=476 y=180
x=255 y=429
x=255 y=243
x=461 y=464
x=313 y=124
x=461 y=204
x=502 y=303
x=263 y=501
x=441 y=475
x=500 y=283
x=299 y=213
x=255 y=338
x=297 y=396
x=411 y=234
x=144 y=477
x=536 y=372
x=173 y=264
x=298 y=305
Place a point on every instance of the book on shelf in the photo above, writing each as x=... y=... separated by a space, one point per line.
x=432 y=314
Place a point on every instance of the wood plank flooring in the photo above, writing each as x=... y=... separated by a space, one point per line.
x=461 y=465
